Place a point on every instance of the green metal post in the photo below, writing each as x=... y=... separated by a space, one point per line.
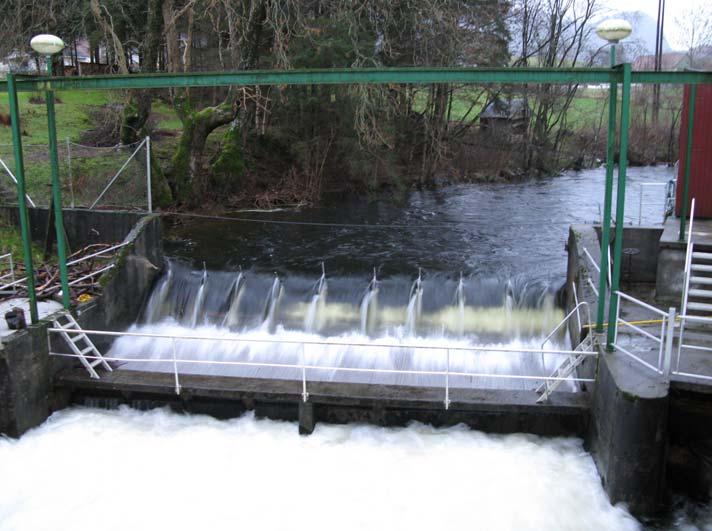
x=21 y=194
x=620 y=208
x=608 y=198
x=688 y=160
x=57 y=192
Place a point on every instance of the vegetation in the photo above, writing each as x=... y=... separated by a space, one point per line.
x=276 y=145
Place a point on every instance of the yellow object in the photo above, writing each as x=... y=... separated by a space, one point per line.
x=84 y=297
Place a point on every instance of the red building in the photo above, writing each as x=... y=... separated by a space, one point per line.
x=701 y=167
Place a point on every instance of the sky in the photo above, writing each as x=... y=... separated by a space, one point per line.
x=673 y=9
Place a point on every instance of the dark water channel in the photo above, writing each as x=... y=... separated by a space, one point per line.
x=504 y=230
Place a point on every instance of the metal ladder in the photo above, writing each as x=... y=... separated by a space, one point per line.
x=565 y=370
x=698 y=273
x=74 y=340
x=697 y=291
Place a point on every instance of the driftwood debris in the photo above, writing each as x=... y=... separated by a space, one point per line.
x=47 y=282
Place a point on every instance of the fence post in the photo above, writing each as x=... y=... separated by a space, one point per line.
x=667 y=359
x=69 y=171
x=148 y=174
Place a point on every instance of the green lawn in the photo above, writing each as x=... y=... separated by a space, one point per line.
x=90 y=169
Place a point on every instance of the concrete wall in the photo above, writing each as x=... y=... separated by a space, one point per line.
x=628 y=434
x=83 y=227
x=27 y=372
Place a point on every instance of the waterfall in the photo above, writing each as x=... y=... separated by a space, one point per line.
x=198 y=303
x=231 y=317
x=271 y=304
x=368 y=305
x=415 y=306
x=318 y=301
x=460 y=301
x=157 y=302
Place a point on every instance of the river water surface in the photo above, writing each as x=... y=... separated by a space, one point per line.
x=491 y=253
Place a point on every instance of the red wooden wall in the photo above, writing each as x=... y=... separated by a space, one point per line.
x=701 y=168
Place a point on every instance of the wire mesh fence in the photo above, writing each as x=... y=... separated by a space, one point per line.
x=91 y=177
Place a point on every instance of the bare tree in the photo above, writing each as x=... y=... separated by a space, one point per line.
x=695 y=34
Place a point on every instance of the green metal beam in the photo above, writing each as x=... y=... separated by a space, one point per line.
x=316 y=77
x=57 y=194
x=412 y=75
x=620 y=209
x=608 y=197
x=21 y=195
x=685 y=201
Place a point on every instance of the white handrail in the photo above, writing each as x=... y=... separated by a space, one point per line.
x=565 y=319
x=472 y=348
x=447 y=373
x=664 y=341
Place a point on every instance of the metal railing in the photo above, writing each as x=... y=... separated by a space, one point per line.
x=575 y=311
x=446 y=372
x=683 y=321
x=663 y=203
x=149 y=200
x=664 y=341
x=14 y=180
x=7 y=272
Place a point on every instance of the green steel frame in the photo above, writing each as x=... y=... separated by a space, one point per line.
x=611 y=76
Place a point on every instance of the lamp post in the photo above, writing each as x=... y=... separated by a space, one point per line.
x=613 y=31
x=50 y=45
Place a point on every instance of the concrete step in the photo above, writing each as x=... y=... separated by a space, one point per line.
x=701 y=280
x=700 y=267
x=700 y=293
x=701 y=255
x=699 y=306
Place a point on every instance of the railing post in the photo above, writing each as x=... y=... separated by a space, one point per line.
x=667 y=359
x=305 y=395
x=620 y=206
x=447 y=379
x=175 y=366
x=22 y=194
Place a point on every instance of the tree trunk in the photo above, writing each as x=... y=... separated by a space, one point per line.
x=188 y=176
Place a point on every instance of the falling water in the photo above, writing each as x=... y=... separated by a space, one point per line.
x=158 y=298
x=369 y=305
x=198 y=304
x=272 y=304
x=231 y=319
x=460 y=301
x=415 y=306
x=318 y=301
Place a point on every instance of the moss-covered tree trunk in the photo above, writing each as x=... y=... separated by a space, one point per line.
x=138 y=103
x=189 y=177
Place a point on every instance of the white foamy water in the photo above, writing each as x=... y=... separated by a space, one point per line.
x=354 y=350
x=87 y=469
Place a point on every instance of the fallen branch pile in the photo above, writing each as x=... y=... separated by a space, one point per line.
x=82 y=275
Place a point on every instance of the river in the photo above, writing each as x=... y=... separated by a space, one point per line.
x=503 y=243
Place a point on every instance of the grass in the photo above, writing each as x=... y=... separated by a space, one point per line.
x=11 y=242
x=90 y=169
x=73 y=115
